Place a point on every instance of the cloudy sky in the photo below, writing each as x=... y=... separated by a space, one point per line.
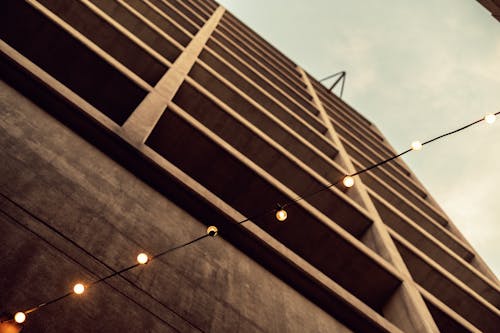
x=416 y=69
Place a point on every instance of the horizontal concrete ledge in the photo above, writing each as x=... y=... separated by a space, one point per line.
x=406 y=205
x=257 y=39
x=448 y=288
x=176 y=13
x=103 y=134
x=406 y=226
x=446 y=319
x=340 y=104
x=271 y=71
x=404 y=186
x=282 y=71
x=461 y=269
x=370 y=151
x=357 y=128
x=245 y=63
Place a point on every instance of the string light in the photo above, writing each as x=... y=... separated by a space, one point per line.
x=19 y=317
x=281 y=215
x=348 y=181
x=416 y=145
x=79 y=288
x=142 y=258
x=212 y=231
x=490 y=118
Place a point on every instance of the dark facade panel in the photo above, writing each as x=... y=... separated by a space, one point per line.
x=108 y=38
x=69 y=61
x=183 y=19
x=144 y=32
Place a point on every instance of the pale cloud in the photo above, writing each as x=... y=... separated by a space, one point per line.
x=489 y=68
x=354 y=47
x=476 y=213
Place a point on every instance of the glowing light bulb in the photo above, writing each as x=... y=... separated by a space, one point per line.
x=416 y=145
x=142 y=258
x=281 y=215
x=19 y=317
x=490 y=118
x=348 y=181
x=212 y=231
x=79 y=288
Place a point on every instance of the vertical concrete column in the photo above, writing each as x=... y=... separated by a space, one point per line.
x=406 y=308
x=142 y=121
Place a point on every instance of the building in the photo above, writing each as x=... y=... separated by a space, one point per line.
x=130 y=126
x=493 y=6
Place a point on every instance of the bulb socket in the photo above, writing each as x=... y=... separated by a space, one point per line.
x=212 y=231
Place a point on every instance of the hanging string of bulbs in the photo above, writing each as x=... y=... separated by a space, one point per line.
x=212 y=231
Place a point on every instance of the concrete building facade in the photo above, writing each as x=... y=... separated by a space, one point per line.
x=493 y=6
x=130 y=126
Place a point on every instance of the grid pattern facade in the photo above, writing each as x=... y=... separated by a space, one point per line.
x=196 y=104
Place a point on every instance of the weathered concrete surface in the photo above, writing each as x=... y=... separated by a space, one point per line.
x=73 y=187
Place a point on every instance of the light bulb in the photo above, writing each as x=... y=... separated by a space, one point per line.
x=416 y=145
x=490 y=118
x=212 y=231
x=348 y=181
x=281 y=215
x=19 y=317
x=79 y=288
x=142 y=258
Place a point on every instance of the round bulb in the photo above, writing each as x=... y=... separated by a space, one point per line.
x=348 y=181
x=416 y=145
x=79 y=288
x=490 y=118
x=142 y=258
x=20 y=317
x=212 y=231
x=281 y=215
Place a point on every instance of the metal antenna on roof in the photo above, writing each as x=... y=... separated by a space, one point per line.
x=341 y=77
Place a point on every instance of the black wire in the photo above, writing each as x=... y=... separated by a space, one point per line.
x=380 y=163
x=452 y=132
x=12 y=219
x=100 y=261
x=115 y=273
x=151 y=258
x=256 y=216
x=297 y=199
x=179 y=246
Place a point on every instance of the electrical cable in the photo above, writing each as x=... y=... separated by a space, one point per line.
x=62 y=235
x=12 y=219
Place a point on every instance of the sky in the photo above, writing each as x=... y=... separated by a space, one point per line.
x=416 y=69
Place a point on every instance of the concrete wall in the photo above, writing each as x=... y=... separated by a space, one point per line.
x=107 y=216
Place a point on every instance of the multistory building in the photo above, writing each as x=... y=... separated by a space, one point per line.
x=131 y=126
